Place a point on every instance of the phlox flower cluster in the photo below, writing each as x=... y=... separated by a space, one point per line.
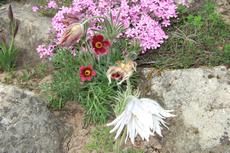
x=143 y=19
x=52 y=4
x=45 y=51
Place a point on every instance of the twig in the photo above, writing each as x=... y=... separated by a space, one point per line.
x=147 y=63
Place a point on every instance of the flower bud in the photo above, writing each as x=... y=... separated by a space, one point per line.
x=72 y=34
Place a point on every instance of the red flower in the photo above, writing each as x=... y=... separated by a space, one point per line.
x=100 y=45
x=86 y=73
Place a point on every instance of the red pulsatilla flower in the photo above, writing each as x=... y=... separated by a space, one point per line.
x=100 y=45
x=86 y=73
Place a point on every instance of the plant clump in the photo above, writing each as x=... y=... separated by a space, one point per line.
x=8 y=51
x=142 y=20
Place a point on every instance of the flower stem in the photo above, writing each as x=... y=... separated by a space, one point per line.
x=95 y=17
x=119 y=143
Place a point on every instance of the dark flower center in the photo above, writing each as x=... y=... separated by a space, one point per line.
x=87 y=72
x=98 y=45
x=116 y=76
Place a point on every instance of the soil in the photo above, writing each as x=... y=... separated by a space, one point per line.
x=73 y=115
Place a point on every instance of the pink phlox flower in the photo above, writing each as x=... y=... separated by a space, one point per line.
x=45 y=51
x=35 y=8
x=52 y=4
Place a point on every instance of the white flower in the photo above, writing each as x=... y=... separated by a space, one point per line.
x=123 y=71
x=141 y=116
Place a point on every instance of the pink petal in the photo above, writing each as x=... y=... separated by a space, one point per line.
x=94 y=73
x=90 y=67
x=82 y=68
x=88 y=78
x=83 y=78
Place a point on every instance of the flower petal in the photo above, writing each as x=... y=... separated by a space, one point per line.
x=142 y=117
x=106 y=43
x=94 y=73
x=116 y=120
x=99 y=38
x=82 y=68
x=90 y=67
x=103 y=51
x=83 y=78
x=88 y=78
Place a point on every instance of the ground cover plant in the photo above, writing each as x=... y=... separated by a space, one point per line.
x=198 y=37
x=49 y=8
x=142 y=20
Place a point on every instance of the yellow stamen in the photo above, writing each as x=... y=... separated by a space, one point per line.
x=87 y=72
x=98 y=45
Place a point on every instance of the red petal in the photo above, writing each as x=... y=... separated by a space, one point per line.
x=83 y=79
x=97 y=51
x=94 y=73
x=103 y=51
x=90 y=67
x=98 y=38
x=107 y=43
x=82 y=68
x=88 y=78
x=94 y=43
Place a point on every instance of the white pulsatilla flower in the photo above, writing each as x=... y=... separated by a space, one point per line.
x=141 y=116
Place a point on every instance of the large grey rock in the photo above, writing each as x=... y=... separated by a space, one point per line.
x=26 y=125
x=201 y=100
x=33 y=30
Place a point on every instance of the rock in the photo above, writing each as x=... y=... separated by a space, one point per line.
x=33 y=30
x=201 y=100
x=26 y=125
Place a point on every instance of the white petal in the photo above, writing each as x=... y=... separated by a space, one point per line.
x=155 y=108
x=132 y=130
x=116 y=120
x=125 y=122
x=141 y=116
